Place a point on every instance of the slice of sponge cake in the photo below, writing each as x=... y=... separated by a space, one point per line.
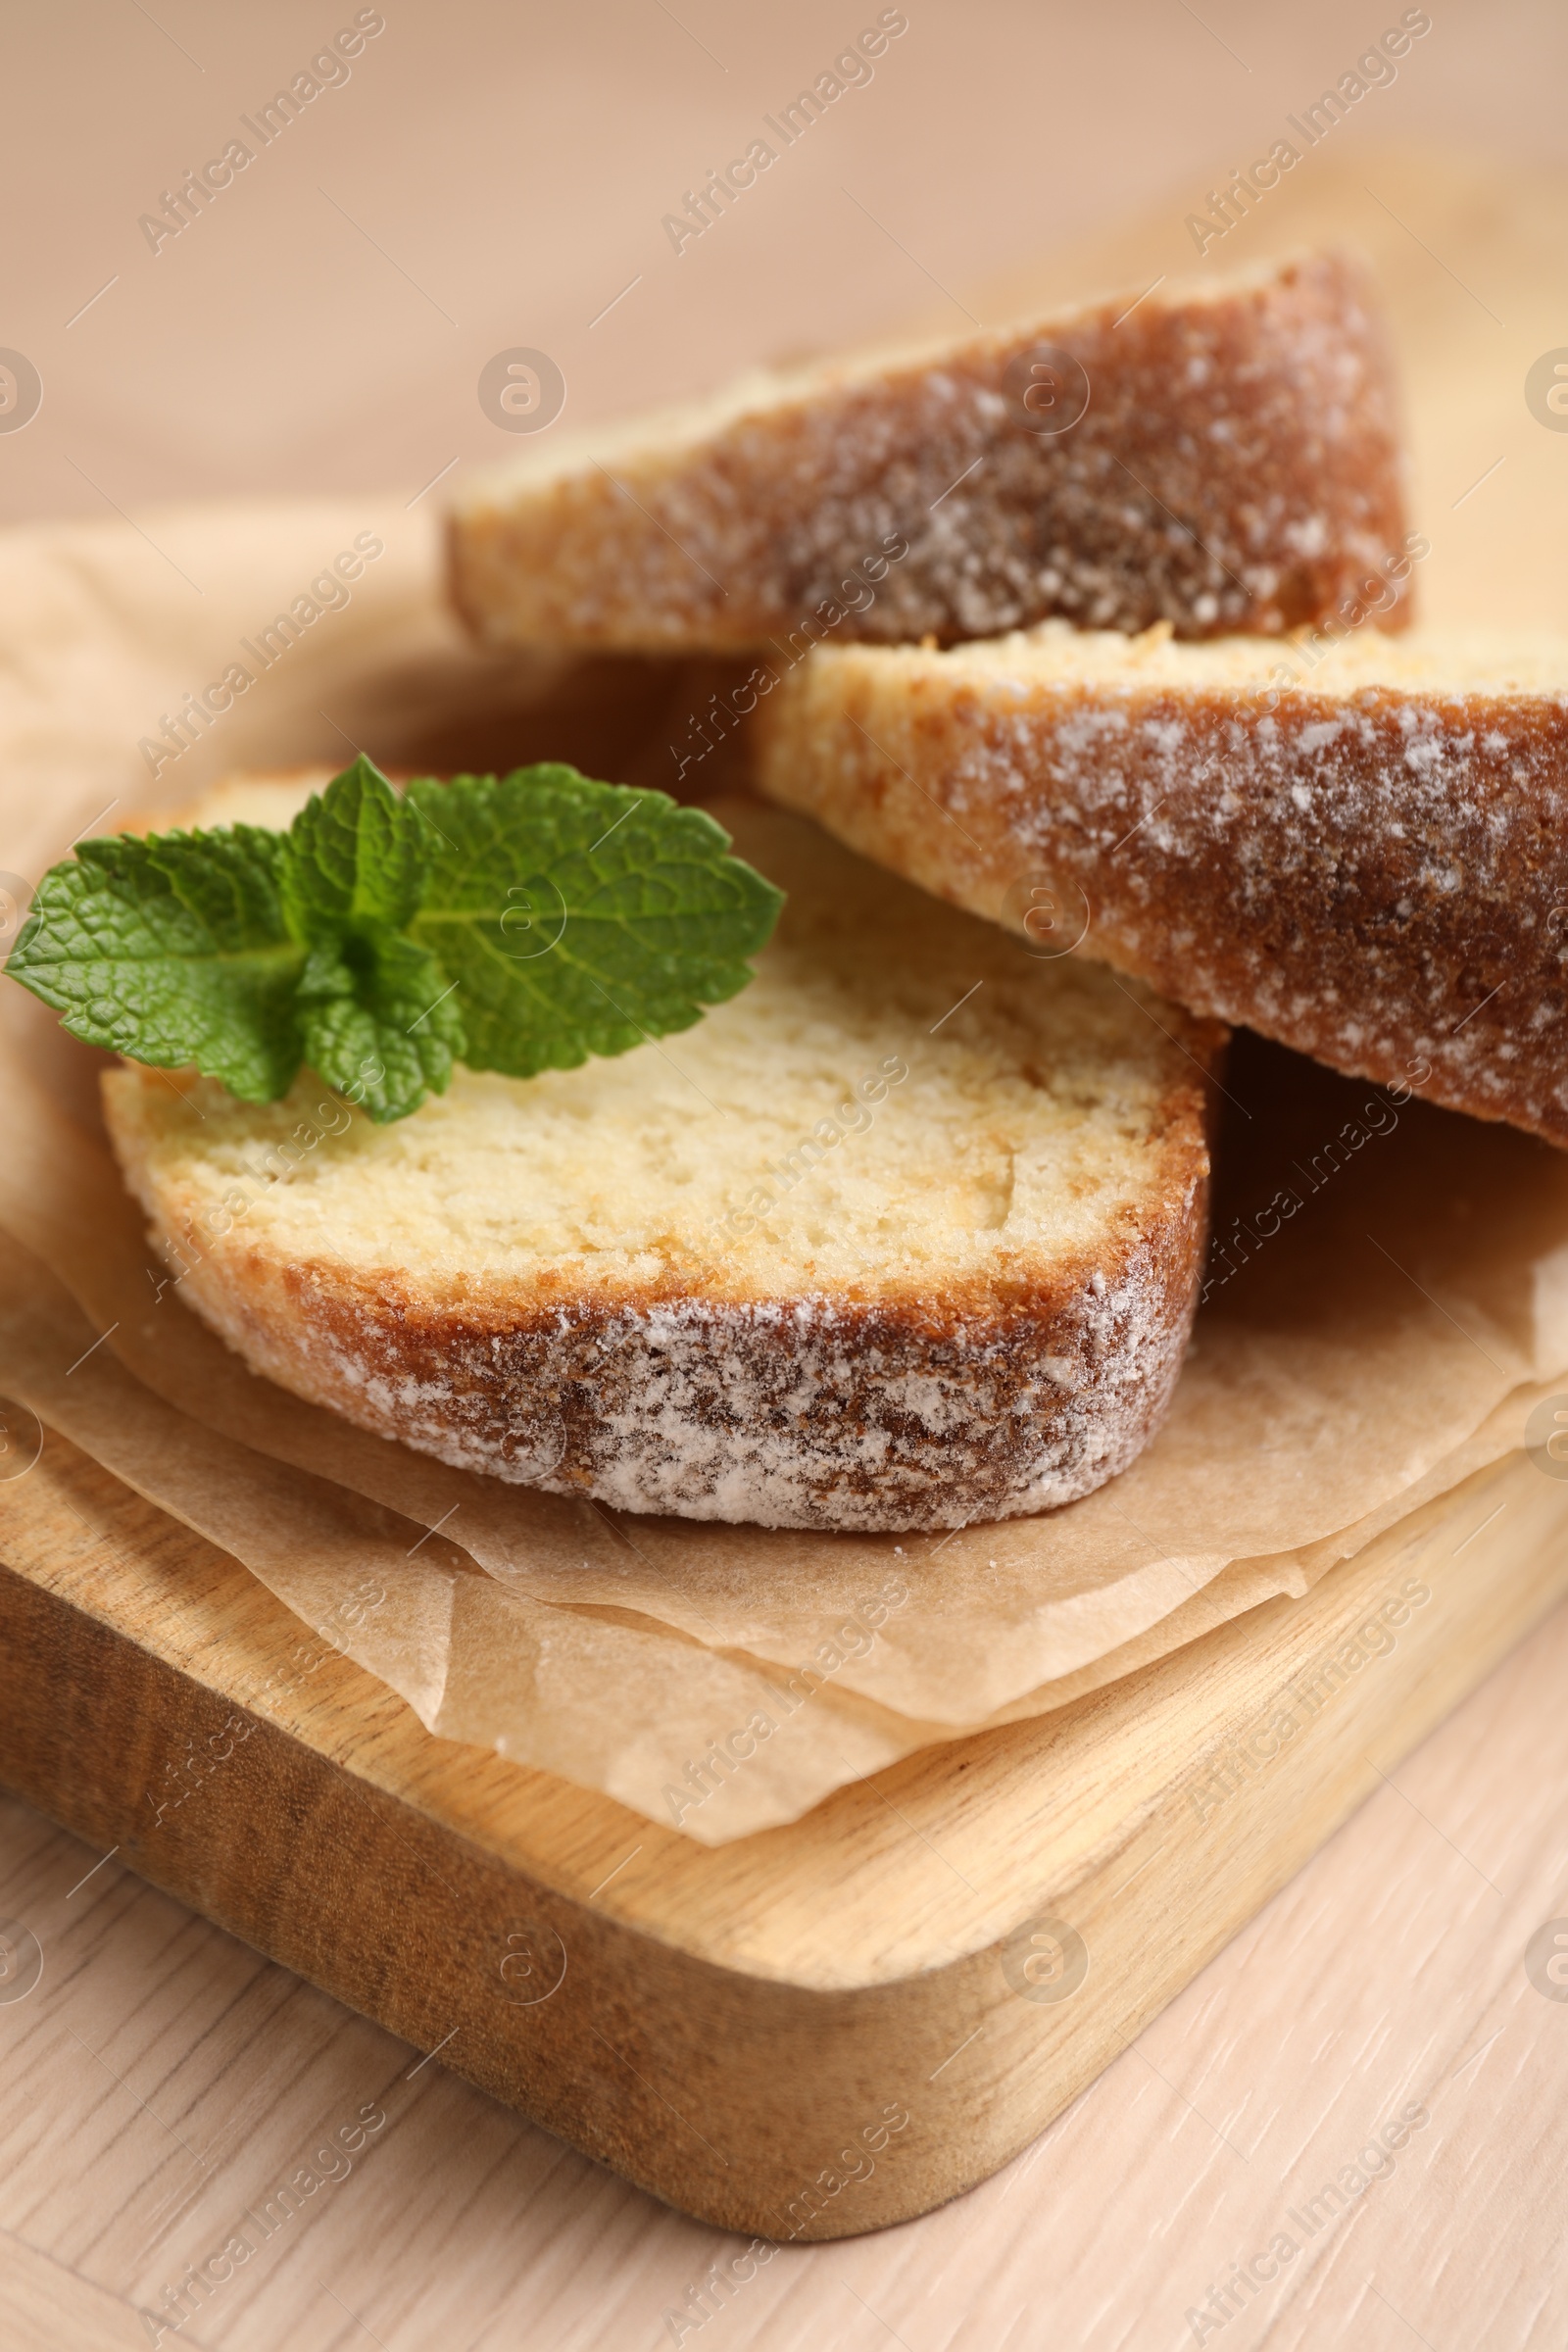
x=1222 y=454
x=1359 y=848
x=907 y=1234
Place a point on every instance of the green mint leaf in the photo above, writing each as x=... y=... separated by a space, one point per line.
x=174 y=951
x=380 y=1021
x=578 y=918
x=379 y=1015
x=353 y=858
x=519 y=924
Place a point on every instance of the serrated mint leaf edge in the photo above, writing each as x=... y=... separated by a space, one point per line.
x=223 y=1049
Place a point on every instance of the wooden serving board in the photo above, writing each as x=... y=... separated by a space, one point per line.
x=810 y=2034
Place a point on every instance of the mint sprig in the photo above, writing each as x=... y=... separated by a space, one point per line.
x=517 y=923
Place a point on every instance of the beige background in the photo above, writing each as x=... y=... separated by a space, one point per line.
x=505 y=169
x=503 y=172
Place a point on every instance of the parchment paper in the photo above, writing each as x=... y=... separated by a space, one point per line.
x=1367 y=1345
x=622 y=1707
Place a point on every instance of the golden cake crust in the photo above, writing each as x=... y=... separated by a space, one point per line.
x=1237 y=466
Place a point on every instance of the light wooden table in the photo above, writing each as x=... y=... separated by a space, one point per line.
x=160 y=2072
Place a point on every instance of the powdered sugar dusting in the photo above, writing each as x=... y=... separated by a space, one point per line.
x=1236 y=468
x=1374 y=871
x=799 y=1413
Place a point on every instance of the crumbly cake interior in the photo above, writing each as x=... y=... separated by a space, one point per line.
x=1446 y=661
x=773 y=1149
